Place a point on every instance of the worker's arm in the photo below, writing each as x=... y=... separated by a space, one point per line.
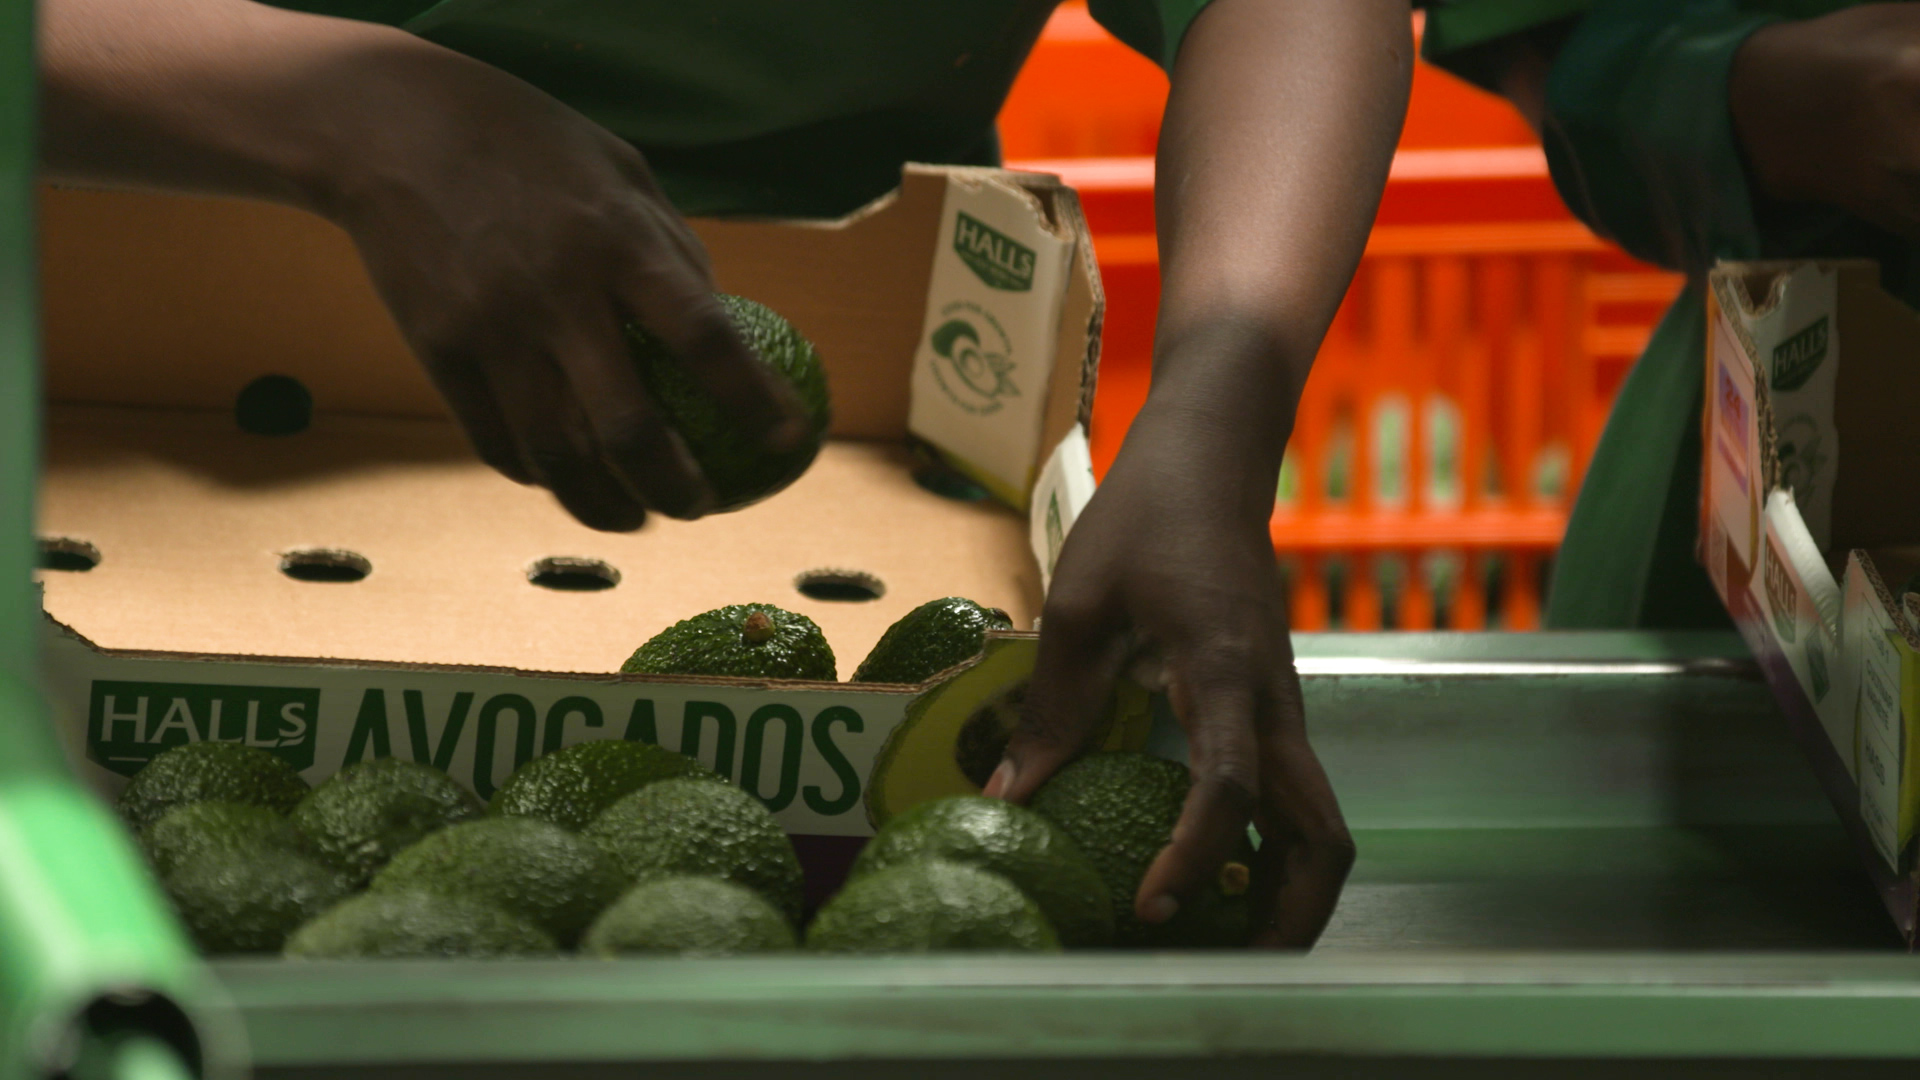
x=1828 y=111
x=509 y=236
x=1273 y=153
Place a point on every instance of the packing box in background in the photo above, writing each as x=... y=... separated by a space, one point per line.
x=201 y=616
x=1810 y=525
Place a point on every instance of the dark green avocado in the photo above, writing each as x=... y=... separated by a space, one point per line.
x=737 y=464
x=704 y=828
x=931 y=905
x=534 y=869
x=753 y=641
x=1008 y=840
x=689 y=916
x=573 y=786
x=416 y=924
x=366 y=813
x=210 y=772
x=1120 y=808
x=930 y=639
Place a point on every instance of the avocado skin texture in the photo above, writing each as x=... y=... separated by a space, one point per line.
x=1012 y=841
x=927 y=906
x=210 y=772
x=689 y=916
x=526 y=867
x=573 y=786
x=1120 y=808
x=416 y=924
x=719 y=642
x=368 y=812
x=197 y=831
x=702 y=828
x=739 y=467
x=248 y=901
x=930 y=639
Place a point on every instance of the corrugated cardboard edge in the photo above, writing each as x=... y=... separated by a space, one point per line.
x=55 y=626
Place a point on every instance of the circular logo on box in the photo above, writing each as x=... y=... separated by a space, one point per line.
x=972 y=358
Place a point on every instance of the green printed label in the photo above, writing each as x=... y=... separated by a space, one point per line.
x=1797 y=358
x=996 y=258
x=128 y=723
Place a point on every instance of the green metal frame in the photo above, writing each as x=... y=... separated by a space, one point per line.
x=95 y=976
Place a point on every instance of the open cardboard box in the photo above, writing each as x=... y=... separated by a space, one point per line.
x=1810 y=526
x=158 y=310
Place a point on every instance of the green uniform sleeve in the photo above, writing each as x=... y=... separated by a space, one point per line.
x=1153 y=28
x=1639 y=134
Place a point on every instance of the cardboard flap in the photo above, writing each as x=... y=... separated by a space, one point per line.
x=176 y=301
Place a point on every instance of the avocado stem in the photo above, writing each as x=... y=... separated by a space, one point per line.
x=757 y=628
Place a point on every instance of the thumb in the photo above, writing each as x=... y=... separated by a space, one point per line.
x=1066 y=704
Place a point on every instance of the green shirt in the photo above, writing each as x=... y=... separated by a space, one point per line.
x=802 y=108
x=1640 y=140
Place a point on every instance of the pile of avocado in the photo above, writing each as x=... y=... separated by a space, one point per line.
x=612 y=847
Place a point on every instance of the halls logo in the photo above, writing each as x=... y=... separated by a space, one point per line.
x=1797 y=358
x=128 y=723
x=995 y=258
x=971 y=359
x=1781 y=594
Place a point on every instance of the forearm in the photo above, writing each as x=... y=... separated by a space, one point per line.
x=222 y=97
x=1276 y=143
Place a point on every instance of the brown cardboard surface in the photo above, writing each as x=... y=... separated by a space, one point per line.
x=191 y=516
x=1879 y=336
x=176 y=301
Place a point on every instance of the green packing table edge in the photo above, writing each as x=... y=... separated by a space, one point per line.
x=1595 y=850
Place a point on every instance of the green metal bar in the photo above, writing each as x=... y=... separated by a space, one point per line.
x=19 y=371
x=89 y=951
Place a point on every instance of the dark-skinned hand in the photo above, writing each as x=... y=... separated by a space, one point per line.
x=1160 y=577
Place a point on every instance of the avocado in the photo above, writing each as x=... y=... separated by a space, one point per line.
x=196 y=831
x=928 y=640
x=573 y=786
x=738 y=467
x=248 y=901
x=1008 y=840
x=366 y=813
x=1121 y=808
x=210 y=772
x=931 y=905
x=953 y=734
x=534 y=869
x=692 y=916
x=703 y=828
x=754 y=641
x=409 y=923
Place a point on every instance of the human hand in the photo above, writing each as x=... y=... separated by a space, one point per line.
x=512 y=239
x=1163 y=577
x=1828 y=110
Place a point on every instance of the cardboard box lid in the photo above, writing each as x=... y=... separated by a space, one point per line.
x=158 y=309
x=1874 y=340
x=163 y=300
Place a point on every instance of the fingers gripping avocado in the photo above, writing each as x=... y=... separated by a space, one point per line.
x=737 y=465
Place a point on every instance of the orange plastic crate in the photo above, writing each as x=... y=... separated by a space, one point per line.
x=1463 y=383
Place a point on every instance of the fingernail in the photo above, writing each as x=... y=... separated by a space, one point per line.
x=1160 y=909
x=1000 y=781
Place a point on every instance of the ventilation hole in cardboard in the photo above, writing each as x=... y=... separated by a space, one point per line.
x=841 y=586
x=63 y=553
x=325 y=565
x=274 y=405
x=565 y=573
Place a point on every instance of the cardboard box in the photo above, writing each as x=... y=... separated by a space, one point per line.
x=158 y=310
x=1810 y=526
